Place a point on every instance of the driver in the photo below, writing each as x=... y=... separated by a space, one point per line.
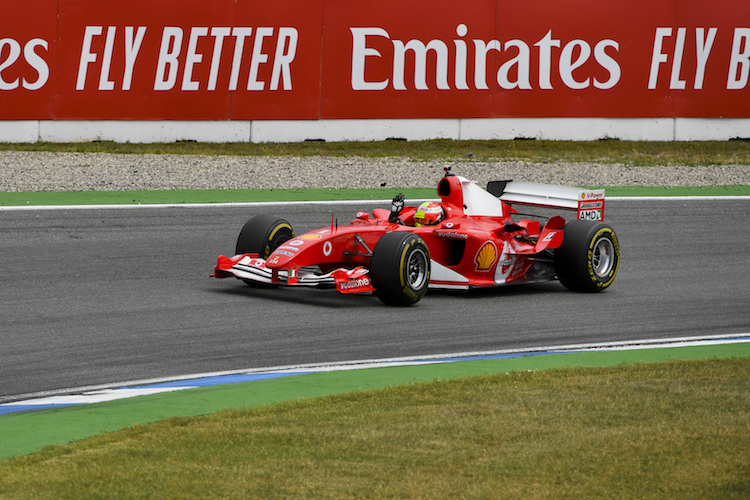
x=429 y=213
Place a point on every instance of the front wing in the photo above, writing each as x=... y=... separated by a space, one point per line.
x=251 y=268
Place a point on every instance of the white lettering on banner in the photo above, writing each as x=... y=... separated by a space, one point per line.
x=171 y=49
x=132 y=47
x=133 y=41
x=239 y=46
x=480 y=61
x=521 y=62
x=32 y=59
x=192 y=58
x=420 y=63
x=702 y=50
x=286 y=51
x=359 y=53
x=171 y=37
x=37 y=63
x=567 y=65
x=608 y=63
x=87 y=56
x=104 y=82
x=513 y=73
x=258 y=58
x=182 y=49
x=219 y=35
x=704 y=42
x=461 y=56
x=545 y=59
x=657 y=56
x=679 y=47
x=739 y=65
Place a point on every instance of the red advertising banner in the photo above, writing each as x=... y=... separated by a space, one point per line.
x=189 y=60
x=335 y=59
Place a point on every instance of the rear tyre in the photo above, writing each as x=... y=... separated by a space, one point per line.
x=589 y=256
x=400 y=269
x=262 y=235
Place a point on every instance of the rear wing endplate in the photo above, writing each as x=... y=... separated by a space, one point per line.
x=588 y=203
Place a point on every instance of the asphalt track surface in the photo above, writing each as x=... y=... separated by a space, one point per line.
x=101 y=296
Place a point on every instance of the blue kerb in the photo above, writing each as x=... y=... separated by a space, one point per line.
x=4 y=410
x=218 y=380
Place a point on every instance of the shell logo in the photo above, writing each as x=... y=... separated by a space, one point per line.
x=310 y=236
x=486 y=256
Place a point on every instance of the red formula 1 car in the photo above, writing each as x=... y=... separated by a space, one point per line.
x=475 y=239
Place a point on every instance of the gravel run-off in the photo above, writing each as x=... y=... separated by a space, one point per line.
x=44 y=171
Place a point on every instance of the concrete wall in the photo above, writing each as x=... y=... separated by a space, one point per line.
x=579 y=129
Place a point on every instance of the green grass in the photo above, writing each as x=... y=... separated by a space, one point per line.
x=607 y=151
x=677 y=429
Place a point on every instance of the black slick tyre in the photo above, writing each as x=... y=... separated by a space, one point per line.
x=262 y=235
x=589 y=256
x=400 y=268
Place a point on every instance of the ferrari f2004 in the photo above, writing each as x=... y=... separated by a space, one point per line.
x=470 y=238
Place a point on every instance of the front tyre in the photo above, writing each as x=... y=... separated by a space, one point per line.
x=400 y=269
x=262 y=235
x=589 y=256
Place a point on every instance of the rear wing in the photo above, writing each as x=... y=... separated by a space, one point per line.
x=588 y=203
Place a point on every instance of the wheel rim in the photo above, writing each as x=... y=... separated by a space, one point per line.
x=603 y=257
x=416 y=269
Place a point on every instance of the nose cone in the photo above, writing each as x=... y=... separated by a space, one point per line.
x=280 y=258
x=295 y=252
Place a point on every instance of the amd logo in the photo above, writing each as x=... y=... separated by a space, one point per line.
x=590 y=215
